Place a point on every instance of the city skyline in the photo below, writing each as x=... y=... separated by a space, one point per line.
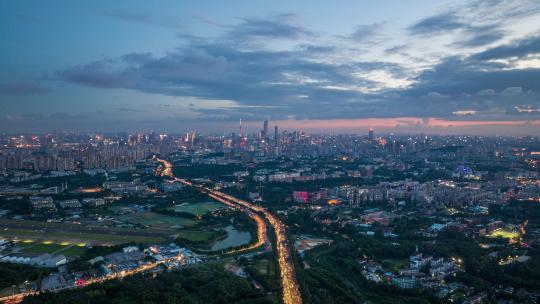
x=431 y=67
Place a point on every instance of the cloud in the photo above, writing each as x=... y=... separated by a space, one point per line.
x=440 y=23
x=102 y=73
x=23 y=88
x=277 y=83
x=315 y=79
x=144 y=18
x=480 y=36
x=512 y=91
x=486 y=92
x=396 y=49
x=464 y=112
x=282 y=26
x=519 y=48
x=476 y=23
x=366 y=32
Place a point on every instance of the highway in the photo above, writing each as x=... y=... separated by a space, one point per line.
x=291 y=292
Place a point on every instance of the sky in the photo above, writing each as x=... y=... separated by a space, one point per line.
x=441 y=67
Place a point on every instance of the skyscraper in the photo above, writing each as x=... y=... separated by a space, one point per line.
x=276 y=134
x=370 y=134
x=265 y=129
x=240 y=128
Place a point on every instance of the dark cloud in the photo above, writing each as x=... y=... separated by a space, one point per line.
x=262 y=82
x=443 y=22
x=222 y=72
x=465 y=75
x=520 y=48
x=476 y=23
x=100 y=74
x=23 y=88
x=480 y=36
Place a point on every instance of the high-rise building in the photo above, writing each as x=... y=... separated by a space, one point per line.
x=265 y=129
x=371 y=134
x=276 y=134
x=241 y=131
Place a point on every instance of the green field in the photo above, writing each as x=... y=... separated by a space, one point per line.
x=395 y=265
x=40 y=248
x=101 y=238
x=197 y=208
x=74 y=251
x=156 y=220
x=198 y=236
x=66 y=248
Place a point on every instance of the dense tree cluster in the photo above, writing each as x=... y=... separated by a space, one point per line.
x=15 y=274
x=195 y=285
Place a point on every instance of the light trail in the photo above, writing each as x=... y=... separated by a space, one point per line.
x=17 y=298
x=291 y=292
x=287 y=272
x=261 y=225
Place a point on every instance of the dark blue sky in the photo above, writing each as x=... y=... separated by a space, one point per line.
x=418 y=66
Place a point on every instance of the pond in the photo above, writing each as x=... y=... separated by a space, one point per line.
x=234 y=238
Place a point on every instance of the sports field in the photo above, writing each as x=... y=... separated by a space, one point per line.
x=37 y=247
x=507 y=234
x=198 y=208
x=156 y=220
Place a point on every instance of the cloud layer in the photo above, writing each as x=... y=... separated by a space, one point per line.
x=318 y=81
x=476 y=61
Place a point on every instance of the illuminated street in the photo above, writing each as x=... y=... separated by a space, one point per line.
x=291 y=293
x=17 y=298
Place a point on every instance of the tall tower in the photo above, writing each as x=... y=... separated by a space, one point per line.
x=241 y=142
x=241 y=133
x=371 y=134
x=265 y=129
x=192 y=137
x=276 y=134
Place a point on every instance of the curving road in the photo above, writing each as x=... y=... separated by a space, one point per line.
x=291 y=292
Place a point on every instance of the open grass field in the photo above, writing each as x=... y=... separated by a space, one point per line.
x=198 y=236
x=30 y=232
x=198 y=208
x=40 y=248
x=396 y=265
x=73 y=251
x=94 y=238
x=66 y=248
x=156 y=220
